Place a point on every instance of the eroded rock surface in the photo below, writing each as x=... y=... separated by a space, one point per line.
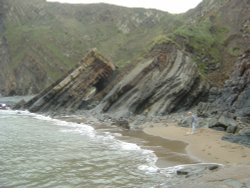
x=166 y=81
x=230 y=108
x=74 y=91
x=236 y=93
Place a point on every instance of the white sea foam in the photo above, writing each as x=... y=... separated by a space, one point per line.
x=129 y=146
x=149 y=169
x=107 y=138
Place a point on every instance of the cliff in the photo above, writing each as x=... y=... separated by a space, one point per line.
x=165 y=81
x=228 y=108
x=215 y=34
x=201 y=61
x=41 y=41
x=235 y=96
x=73 y=91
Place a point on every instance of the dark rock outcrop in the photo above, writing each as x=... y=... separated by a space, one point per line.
x=4 y=53
x=166 y=81
x=243 y=137
x=43 y=40
x=75 y=90
x=235 y=96
x=230 y=110
x=233 y=99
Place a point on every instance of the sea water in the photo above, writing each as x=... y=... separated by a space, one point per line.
x=37 y=152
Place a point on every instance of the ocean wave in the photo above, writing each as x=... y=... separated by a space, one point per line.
x=108 y=139
x=149 y=169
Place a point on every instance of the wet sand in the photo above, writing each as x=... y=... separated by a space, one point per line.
x=205 y=145
x=169 y=152
x=174 y=145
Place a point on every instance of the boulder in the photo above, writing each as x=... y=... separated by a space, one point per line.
x=245 y=132
x=181 y=172
x=212 y=122
x=185 y=122
x=223 y=124
x=231 y=129
x=243 y=137
x=121 y=122
x=226 y=121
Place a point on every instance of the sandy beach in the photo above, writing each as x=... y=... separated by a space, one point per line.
x=205 y=145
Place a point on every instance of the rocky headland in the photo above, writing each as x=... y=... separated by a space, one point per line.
x=164 y=85
x=201 y=64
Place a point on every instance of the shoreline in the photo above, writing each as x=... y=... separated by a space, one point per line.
x=169 y=152
x=233 y=173
x=205 y=145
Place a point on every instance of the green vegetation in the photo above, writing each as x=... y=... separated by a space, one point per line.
x=61 y=34
x=203 y=40
x=55 y=37
x=235 y=51
x=161 y=39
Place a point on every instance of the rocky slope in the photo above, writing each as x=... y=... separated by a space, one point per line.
x=42 y=40
x=229 y=108
x=73 y=92
x=166 y=81
x=215 y=34
x=174 y=76
x=4 y=51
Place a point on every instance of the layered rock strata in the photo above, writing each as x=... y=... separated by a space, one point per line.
x=235 y=95
x=166 y=81
x=73 y=91
x=236 y=98
x=228 y=108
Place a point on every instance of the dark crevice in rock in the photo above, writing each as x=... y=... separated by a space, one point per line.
x=75 y=89
x=158 y=85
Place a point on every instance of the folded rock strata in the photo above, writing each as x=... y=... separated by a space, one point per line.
x=73 y=91
x=166 y=81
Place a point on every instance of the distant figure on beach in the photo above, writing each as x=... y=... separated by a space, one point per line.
x=193 y=122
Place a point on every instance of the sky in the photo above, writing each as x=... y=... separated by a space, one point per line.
x=172 y=6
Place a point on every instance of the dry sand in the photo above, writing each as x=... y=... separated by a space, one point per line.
x=205 y=145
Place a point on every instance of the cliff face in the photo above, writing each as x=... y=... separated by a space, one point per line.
x=4 y=51
x=168 y=77
x=235 y=96
x=228 y=108
x=216 y=34
x=166 y=81
x=41 y=41
x=25 y=76
x=231 y=101
x=73 y=91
